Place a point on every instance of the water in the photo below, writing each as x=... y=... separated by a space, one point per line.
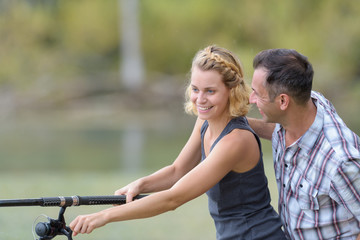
x=65 y=154
x=190 y=221
x=57 y=143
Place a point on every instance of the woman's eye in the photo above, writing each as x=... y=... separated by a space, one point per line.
x=211 y=91
x=195 y=90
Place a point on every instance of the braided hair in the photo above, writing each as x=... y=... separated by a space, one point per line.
x=229 y=67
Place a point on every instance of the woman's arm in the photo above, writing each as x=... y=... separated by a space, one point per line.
x=166 y=177
x=263 y=129
x=223 y=158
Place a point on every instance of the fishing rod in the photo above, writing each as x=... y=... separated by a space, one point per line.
x=53 y=227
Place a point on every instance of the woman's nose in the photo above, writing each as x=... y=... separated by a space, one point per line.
x=201 y=98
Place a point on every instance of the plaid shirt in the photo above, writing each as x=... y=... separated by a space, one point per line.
x=318 y=178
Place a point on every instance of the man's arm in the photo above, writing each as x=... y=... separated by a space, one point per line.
x=263 y=129
x=345 y=186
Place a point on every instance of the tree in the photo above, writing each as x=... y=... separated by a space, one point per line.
x=131 y=66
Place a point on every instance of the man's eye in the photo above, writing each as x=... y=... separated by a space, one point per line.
x=211 y=91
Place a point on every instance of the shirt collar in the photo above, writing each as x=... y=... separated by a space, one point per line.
x=308 y=140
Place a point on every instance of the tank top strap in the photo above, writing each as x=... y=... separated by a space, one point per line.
x=235 y=123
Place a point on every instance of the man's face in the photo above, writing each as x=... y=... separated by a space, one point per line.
x=260 y=96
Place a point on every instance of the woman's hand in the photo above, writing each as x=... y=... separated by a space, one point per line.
x=87 y=223
x=131 y=190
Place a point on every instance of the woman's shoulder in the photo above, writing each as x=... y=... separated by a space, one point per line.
x=240 y=136
x=239 y=141
x=241 y=145
x=238 y=123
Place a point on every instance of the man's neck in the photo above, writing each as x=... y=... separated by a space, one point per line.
x=299 y=119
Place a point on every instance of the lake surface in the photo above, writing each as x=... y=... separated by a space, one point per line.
x=99 y=142
x=95 y=153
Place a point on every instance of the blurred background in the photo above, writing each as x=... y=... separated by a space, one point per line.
x=91 y=93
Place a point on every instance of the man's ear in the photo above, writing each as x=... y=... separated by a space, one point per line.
x=284 y=101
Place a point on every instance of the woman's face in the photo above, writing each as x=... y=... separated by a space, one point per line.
x=209 y=94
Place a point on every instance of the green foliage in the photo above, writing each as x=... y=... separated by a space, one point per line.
x=55 y=41
x=48 y=44
x=81 y=36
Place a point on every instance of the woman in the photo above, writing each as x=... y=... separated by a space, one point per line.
x=222 y=158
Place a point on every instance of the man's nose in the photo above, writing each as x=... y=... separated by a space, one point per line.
x=252 y=98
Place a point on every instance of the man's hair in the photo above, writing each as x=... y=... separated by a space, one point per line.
x=287 y=72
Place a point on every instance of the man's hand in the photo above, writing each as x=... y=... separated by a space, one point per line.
x=261 y=128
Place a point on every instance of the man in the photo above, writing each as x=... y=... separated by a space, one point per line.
x=316 y=156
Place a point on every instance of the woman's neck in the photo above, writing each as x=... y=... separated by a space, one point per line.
x=217 y=126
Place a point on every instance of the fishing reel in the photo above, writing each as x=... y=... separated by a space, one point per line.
x=53 y=227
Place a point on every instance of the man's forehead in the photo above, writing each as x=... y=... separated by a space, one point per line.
x=261 y=73
x=259 y=78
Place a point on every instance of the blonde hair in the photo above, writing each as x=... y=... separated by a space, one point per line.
x=226 y=63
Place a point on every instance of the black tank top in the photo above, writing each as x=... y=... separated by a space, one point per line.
x=240 y=202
